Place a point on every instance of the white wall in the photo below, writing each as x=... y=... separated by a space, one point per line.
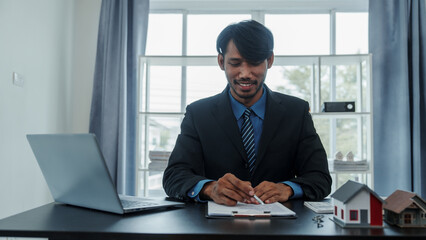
x=52 y=43
x=86 y=20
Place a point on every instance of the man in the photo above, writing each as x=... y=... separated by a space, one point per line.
x=247 y=140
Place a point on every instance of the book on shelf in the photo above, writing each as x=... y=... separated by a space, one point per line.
x=157 y=165
x=159 y=160
x=159 y=155
x=357 y=165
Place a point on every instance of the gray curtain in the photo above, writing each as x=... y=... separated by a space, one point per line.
x=121 y=39
x=397 y=41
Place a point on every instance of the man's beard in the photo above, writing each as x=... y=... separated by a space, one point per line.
x=255 y=82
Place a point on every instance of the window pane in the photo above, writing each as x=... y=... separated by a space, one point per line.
x=325 y=84
x=322 y=126
x=158 y=138
x=204 y=81
x=150 y=184
x=353 y=215
x=346 y=136
x=204 y=29
x=364 y=87
x=342 y=178
x=300 y=34
x=346 y=83
x=164 y=34
x=159 y=134
x=163 y=131
x=291 y=80
x=351 y=33
x=165 y=89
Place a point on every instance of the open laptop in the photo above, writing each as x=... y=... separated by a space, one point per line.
x=76 y=173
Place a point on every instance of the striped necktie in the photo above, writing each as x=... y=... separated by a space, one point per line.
x=247 y=135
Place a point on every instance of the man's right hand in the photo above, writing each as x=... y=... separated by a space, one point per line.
x=228 y=190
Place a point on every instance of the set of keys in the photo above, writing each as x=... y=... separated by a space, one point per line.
x=318 y=220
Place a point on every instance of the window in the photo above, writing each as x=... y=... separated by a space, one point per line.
x=353 y=215
x=351 y=33
x=342 y=214
x=162 y=28
x=407 y=218
x=204 y=44
x=335 y=210
x=300 y=34
x=190 y=33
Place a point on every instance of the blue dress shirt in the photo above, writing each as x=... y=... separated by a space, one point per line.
x=257 y=121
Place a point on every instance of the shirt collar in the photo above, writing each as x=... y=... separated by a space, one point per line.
x=258 y=108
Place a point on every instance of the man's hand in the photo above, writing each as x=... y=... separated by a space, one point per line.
x=228 y=190
x=270 y=192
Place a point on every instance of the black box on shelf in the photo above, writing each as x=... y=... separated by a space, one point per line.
x=338 y=107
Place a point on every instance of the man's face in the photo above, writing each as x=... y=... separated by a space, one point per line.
x=245 y=78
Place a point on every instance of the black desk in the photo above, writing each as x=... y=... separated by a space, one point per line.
x=57 y=221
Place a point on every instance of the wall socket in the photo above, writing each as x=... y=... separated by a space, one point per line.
x=18 y=79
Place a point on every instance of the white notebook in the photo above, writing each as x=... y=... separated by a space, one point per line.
x=249 y=210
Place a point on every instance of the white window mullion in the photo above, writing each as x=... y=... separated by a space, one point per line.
x=332 y=31
x=333 y=123
x=258 y=16
x=314 y=91
x=317 y=106
x=184 y=53
x=146 y=132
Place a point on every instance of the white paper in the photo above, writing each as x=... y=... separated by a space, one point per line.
x=272 y=209
x=320 y=207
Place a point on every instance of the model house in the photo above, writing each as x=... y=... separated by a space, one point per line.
x=356 y=205
x=405 y=209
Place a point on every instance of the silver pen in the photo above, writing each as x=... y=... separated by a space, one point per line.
x=258 y=199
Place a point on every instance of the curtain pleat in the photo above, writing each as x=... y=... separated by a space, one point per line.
x=121 y=39
x=397 y=42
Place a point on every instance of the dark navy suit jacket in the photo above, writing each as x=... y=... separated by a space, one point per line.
x=210 y=145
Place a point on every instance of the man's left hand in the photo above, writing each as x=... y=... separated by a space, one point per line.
x=270 y=192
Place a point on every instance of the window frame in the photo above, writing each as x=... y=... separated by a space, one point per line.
x=353 y=215
x=363 y=111
x=274 y=7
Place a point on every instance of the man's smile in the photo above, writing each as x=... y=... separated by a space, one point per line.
x=245 y=85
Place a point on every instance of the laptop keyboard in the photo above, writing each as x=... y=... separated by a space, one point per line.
x=136 y=204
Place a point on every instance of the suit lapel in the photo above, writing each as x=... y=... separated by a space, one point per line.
x=222 y=111
x=273 y=116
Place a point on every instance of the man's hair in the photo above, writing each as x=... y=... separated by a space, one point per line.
x=254 y=41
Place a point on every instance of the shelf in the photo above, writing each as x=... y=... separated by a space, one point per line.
x=340 y=114
x=347 y=168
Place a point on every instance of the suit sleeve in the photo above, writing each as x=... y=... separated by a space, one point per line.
x=185 y=168
x=311 y=164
